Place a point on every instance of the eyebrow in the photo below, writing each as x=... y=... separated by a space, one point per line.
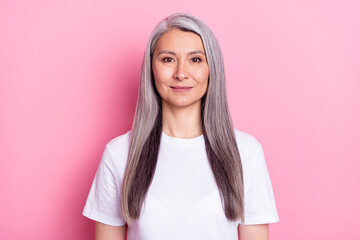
x=189 y=53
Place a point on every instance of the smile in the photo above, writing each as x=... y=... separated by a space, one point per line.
x=181 y=88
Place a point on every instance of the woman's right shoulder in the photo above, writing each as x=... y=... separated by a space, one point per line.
x=118 y=149
x=120 y=143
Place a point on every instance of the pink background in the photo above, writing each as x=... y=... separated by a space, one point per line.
x=69 y=78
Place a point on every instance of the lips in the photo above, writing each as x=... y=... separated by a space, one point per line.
x=180 y=88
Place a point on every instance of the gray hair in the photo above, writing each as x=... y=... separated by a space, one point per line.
x=217 y=126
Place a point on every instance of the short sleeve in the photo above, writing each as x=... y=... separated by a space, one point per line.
x=259 y=201
x=103 y=202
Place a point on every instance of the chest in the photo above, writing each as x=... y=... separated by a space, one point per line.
x=183 y=179
x=183 y=199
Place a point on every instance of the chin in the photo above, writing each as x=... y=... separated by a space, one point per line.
x=183 y=104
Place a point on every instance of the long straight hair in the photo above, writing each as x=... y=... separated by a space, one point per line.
x=218 y=131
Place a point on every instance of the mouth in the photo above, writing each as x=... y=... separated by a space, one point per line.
x=180 y=88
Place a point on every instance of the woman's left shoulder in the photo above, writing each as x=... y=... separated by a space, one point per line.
x=246 y=142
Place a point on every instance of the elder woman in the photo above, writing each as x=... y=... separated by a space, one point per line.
x=183 y=171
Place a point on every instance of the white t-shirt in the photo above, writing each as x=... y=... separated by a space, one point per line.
x=183 y=201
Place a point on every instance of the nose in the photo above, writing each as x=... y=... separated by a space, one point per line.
x=180 y=72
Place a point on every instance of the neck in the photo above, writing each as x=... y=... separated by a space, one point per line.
x=182 y=122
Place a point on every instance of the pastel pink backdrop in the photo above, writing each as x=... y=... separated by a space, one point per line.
x=69 y=78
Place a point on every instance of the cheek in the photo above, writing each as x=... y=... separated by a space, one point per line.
x=156 y=72
x=160 y=79
x=161 y=74
x=202 y=75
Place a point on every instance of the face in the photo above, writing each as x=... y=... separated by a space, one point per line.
x=180 y=69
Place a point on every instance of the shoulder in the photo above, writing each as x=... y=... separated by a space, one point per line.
x=117 y=150
x=120 y=143
x=246 y=142
x=250 y=150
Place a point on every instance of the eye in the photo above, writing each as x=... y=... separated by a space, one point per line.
x=167 y=59
x=196 y=59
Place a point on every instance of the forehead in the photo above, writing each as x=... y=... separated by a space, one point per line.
x=176 y=39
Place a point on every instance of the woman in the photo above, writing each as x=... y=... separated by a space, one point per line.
x=183 y=171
